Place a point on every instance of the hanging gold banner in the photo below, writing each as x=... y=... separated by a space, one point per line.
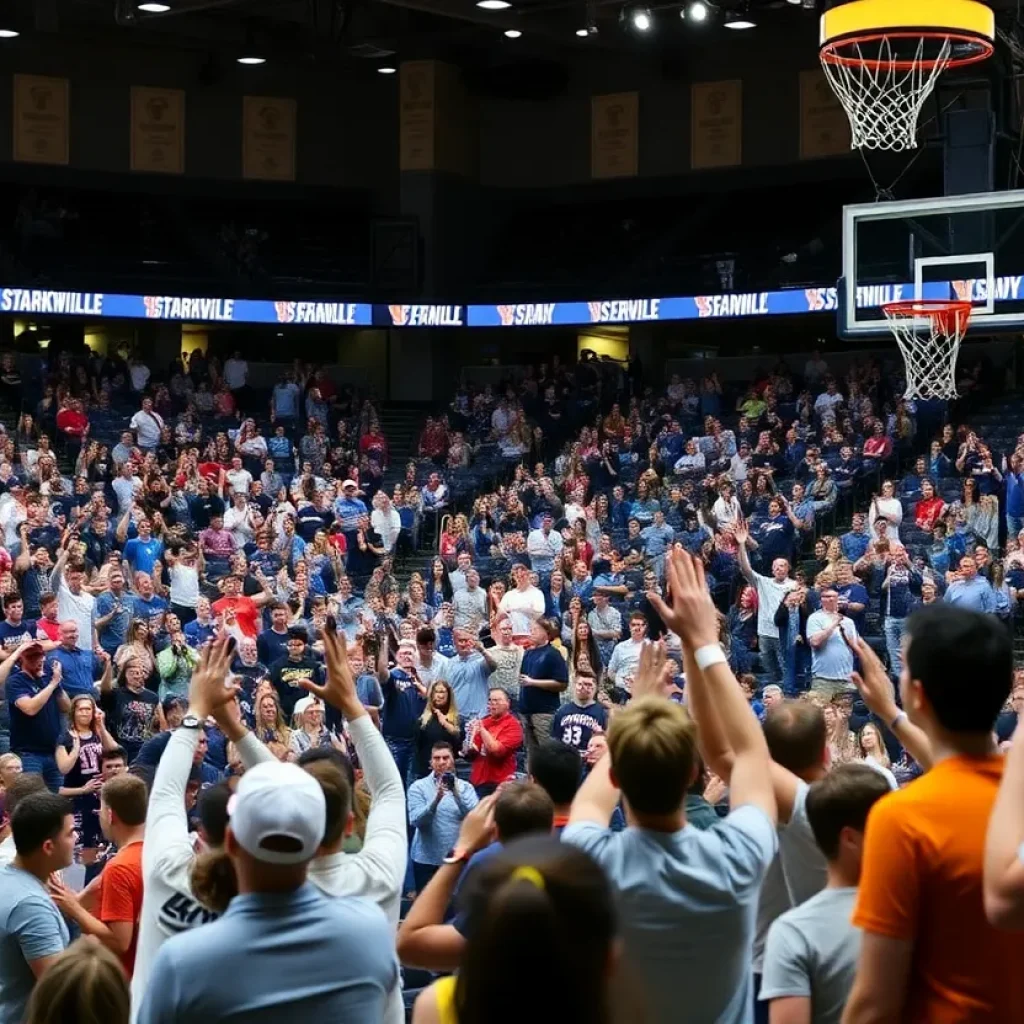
x=40 y=119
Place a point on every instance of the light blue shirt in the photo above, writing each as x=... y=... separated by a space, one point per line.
x=834 y=659
x=687 y=902
x=277 y=957
x=437 y=828
x=975 y=595
x=468 y=678
x=658 y=539
x=543 y=548
x=30 y=928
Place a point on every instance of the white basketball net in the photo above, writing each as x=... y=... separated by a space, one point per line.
x=929 y=339
x=882 y=96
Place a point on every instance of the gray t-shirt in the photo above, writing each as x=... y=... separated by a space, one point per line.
x=798 y=873
x=30 y=928
x=812 y=951
x=687 y=901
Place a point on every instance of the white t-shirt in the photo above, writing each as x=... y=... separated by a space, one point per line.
x=147 y=427
x=240 y=480
x=168 y=906
x=388 y=525
x=78 y=607
x=139 y=374
x=517 y=603
x=184 y=585
x=624 y=660
x=238 y=523
x=769 y=597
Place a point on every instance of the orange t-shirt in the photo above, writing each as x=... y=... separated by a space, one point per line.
x=921 y=882
x=246 y=613
x=121 y=896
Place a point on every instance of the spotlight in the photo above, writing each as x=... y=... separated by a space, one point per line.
x=154 y=8
x=795 y=3
x=252 y=60
x=738 y=22
x=697 y=11
x=512 y=33
x=493 y=5
x=386 y=70
x=583 y=32
x=640 y=18
x=9 y=33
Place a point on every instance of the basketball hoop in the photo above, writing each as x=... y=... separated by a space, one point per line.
x=929 y=332
x=883 y=58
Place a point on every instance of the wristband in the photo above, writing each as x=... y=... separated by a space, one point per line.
x=708 y=655
x=901 y=716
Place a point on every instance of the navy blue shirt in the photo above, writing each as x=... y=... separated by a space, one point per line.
x=13 y=636
x=272 y=646
x=152 y=611
x=196 y=634
x=542 y=663
x=573 y=725
x=38 y=733
x=858 y=595
x=403 y=706
x=81 y=669
x=775 y=539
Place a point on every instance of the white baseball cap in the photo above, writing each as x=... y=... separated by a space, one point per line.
x=277 y=799
x=348 y=483
x=308 y=704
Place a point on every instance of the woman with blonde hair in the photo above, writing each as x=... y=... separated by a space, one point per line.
x=10 y=769
x=871 y=746
x=137 y=647
x=983 y=520
x=85 y=984
x=308 y=727
x=271 y=727
x=439 y=723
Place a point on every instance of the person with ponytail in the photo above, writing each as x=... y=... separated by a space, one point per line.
x=552 y=904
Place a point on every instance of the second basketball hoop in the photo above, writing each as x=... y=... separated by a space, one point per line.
x=883 y=57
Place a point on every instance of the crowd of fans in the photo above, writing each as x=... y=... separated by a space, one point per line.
x=246 y=734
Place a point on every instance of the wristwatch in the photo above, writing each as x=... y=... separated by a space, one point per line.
x=456 y=856
x=191 y=722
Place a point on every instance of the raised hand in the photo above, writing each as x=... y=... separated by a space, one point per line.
x=207 y=690
x=477 y=830
x=874 y=685
x=339 y=689
x=692 y=613
x=654 y=673
x=741 y=532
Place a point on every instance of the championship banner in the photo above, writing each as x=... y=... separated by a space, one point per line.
x=824 y=126
x=614 y=135
x=268 y=138
x=158 y=130
x=417 y=111
x=716 y=124
x=40 y=119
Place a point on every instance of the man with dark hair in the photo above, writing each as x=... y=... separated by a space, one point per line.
x=543 y=678
x=112 y=913
x=811 y=954
x=580 y=717
x=23 y=785
x=293 y=670
x=558 y=770
x=424 y=940
x=437 y=804
x=32 y=932
x=928 y=953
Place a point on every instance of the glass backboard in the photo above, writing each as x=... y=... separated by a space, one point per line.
x=954 y=247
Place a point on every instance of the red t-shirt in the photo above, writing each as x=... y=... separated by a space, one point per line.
x=497 y=767
x=120 y=897
x=247 y=615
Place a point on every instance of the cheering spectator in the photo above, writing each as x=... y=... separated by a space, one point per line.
x=924 y=958
x=831 y=636
x=32 y=932
x=493 y=742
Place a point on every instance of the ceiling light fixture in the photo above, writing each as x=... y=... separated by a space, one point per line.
x=512 y=33
x=386 y=70
x=739 y=20
x=494 y=5
x=697 y=11
x=583 y=32
x=9 y=33
x=252 y=60
x=640 y=18
x=154 y=8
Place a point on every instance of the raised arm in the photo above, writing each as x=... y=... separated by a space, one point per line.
x=692 y=616
x=742 y=534
x=1004 y=869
